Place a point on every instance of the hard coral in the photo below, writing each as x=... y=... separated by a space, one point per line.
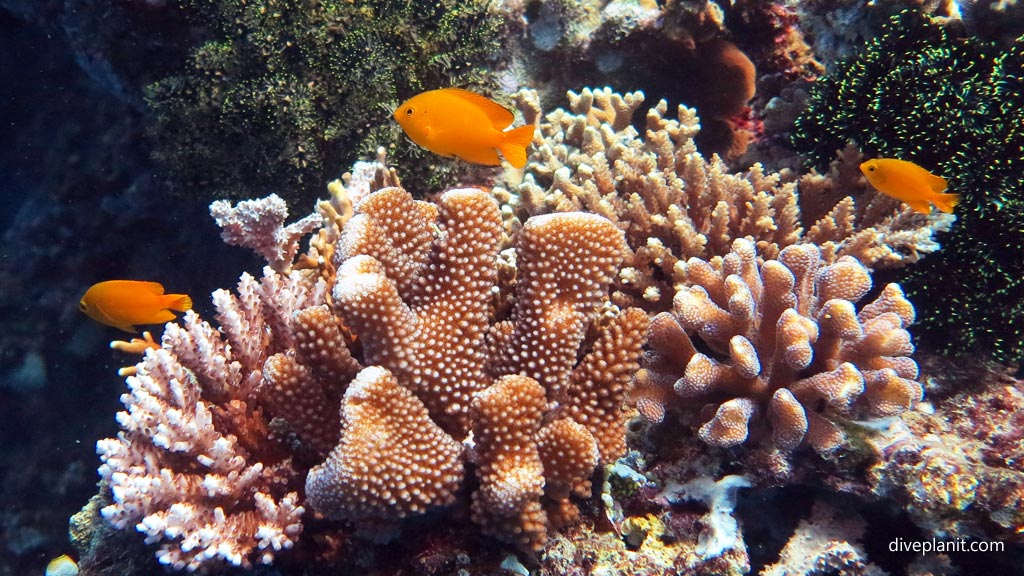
x=387 y=435
x=420 y=304
x=222 y=430
x=788 y=353
x=927 y=93
x=674 y=204
x=956 y=468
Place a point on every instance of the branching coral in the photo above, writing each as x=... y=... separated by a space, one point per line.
x=674 y=204
x=191 y=467
x=789 y=354
x=221 y=431
x=926 y=93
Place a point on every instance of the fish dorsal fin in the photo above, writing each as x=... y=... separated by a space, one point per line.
x=155 y=288
x=499 y=116
x=936 y=183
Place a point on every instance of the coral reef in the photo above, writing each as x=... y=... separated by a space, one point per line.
x=277 y=95
x=221 y=430
x=956 y=468
x=674 y=204
x=827 y=542
x=791 y=356
x=924 y=92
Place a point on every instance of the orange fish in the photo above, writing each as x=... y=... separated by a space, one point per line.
x=909 y=183
x=458 y=123
x=124 y=303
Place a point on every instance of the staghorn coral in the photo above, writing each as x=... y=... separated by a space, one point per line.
x=790 y=356
x=928 y=93
x=398 y=330
x=674 y=204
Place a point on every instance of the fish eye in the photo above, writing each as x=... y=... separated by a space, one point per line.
x=871 y=168
x=409 y=111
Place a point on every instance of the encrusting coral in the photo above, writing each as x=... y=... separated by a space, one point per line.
x=790 y=355
x=673 y=204
x=397 y=331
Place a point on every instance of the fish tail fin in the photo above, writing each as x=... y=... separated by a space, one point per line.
x=513 y=146
x=945 y=202
x=179 y=302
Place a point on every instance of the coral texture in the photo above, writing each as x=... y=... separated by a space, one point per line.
x=927 y=93
x=674 y=204
x=259 y=226
x=389 y=321
x=188 y=468
x=956 y=469
x=791 y=357
x=388 y=435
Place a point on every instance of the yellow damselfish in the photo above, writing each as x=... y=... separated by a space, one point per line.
x=458 y=123
x=910 y=183
x=125 y=303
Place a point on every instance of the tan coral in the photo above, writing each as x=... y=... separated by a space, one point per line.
x=673 y=204
x=787 y=347
x=409 y=292
x=555 y=304
x=507 y=417
x=598 y=385
x=387 y=434
x=420 y=304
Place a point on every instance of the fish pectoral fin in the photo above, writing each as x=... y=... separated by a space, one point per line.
x=127 y=328
x=937 y=183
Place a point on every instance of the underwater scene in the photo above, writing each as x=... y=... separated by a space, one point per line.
x=512 y=287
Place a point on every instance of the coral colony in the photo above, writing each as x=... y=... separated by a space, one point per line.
x=397 y=329
x=481 y=362
x=687 y=337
